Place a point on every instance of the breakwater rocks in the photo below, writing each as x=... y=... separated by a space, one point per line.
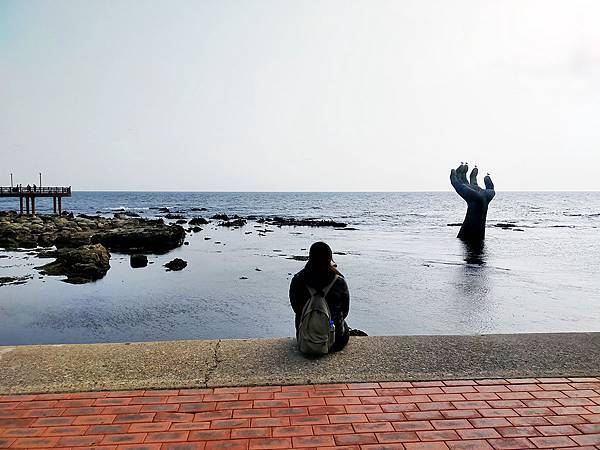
x=123 y=234
x=83 y=242
x=80 y=264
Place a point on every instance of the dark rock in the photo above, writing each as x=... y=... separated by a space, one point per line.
x=243 y=278
x=505 y=225
x=89 y=217
x=174 y=216
x=125 y=214
x=196 y=229
x=290 y=221
x=28 y=243
x=6 y=281
x=298 y=257
x=79 y=265
x=180 y=221
x=164 y=210
x=220 y=217
x=186 y=243
x=138 y=260
x=46 y=240
x=154 y=239
x=176 y=264
x=198 y=221
x=47 y=254
x=233 y=223
x=70 y=239
x=198 y=209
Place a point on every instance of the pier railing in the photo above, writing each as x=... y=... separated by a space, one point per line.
x=29 y=193
x=50 y=191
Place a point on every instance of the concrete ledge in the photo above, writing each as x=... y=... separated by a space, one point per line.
x=180 y=364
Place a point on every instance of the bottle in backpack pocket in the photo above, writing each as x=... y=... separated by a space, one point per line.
x=331 y=331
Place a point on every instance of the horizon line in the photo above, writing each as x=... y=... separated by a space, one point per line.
x=317 y=192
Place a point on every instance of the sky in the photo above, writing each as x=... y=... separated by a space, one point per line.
x=299 y=95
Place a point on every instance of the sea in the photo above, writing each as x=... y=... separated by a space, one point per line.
x=407 y=272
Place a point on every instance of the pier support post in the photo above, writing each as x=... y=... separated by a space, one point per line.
x=54 y=202
x=59 y=205
x=33 y=205
x=27 y=205
x=21 y=202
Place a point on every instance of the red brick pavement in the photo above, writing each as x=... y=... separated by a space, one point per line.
x=467 y=414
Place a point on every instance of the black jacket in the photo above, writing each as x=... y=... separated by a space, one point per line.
x=338 y=300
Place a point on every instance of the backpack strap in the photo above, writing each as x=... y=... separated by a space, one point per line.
x=325 y=290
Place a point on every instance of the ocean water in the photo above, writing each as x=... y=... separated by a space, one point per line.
x=407 y=272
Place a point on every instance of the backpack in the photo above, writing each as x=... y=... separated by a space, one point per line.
x=316 y=332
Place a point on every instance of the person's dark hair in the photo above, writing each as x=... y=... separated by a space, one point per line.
x=319 y=269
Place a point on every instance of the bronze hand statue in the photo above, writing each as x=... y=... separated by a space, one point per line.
x=478 y=199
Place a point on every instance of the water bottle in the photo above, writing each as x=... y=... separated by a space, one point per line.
x=331 y=326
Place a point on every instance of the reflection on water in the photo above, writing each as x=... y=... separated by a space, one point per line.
x=474 y=252
x=473 y=300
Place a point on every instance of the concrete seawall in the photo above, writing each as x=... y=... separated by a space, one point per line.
x=210 y=363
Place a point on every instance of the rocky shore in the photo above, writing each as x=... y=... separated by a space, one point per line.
x=83 y=242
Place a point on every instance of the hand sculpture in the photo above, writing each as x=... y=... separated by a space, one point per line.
x=478 y=199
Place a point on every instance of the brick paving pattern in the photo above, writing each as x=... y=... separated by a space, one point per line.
x=550 y=413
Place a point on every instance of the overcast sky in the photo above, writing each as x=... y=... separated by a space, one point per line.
x=300 y=94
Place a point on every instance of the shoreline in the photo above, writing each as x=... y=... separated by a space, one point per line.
x=253 y=362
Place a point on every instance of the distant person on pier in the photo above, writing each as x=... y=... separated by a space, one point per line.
x=320 y=325
x=28 y=188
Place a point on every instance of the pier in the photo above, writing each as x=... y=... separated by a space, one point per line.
x=28 y=195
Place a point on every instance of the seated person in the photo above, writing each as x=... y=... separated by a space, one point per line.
x=319 y=274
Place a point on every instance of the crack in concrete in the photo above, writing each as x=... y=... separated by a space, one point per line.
x=215 y=363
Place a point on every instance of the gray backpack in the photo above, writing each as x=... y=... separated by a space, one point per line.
x=316 y=332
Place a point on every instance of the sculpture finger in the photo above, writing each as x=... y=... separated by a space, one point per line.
x=462 y=172
x=454 y=179
x=489 y=188
x=473 y=177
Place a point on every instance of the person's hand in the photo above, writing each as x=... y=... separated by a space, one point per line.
x=469 y=190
